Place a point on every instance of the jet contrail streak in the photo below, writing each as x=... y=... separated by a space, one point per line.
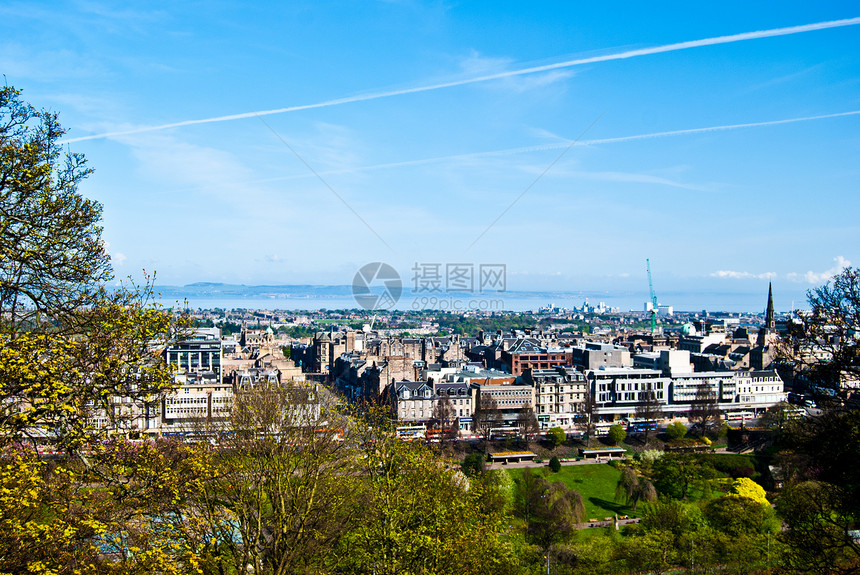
x=566 y=143
x=718 y=128
x=521 y=72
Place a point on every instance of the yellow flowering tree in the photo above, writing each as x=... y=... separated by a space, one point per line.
x=73 y=352
x=746 y=487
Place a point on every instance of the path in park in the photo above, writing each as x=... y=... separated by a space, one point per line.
x=546 y=463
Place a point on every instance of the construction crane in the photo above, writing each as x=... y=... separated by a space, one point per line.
x=653 y=298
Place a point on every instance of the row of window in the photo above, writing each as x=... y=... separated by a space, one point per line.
x=186 y=410
x=561 y=388
x=182 y=400
x=559 y=409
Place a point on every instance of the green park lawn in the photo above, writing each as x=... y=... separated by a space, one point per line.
x=596 y=483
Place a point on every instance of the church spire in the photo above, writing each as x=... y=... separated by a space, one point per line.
x=769 y=321
x=769 y=327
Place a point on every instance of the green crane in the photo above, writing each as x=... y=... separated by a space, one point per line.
x=653 y=298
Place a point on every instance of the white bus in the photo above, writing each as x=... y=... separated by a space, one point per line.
x=602 y=428
x=411 y=432
x=504 y=432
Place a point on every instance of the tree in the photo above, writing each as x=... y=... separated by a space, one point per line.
x=821 y=502
x=676 y=473
x=627 y=484
x=589 y=409
x=676 y=430
x=527 y=421
x=52 y=259
x=557 y=435
x=823 y=345
x=746 y=487
x=779 y=417
x=633 y=489
x=617 y=433
x=554 y=464
x=69 y=347
x=704 y=410
x=413 y=514
x=473 y=464
x=550 y=510
x=818 y=527
x=487 y=415
x=649 y=409
x=284 y=493
x=445 y=417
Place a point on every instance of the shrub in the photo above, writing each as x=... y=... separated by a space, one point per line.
x=473 y=464
x=733 y=465
x=745 y=487
x=649 y=456
x=555 y=464
x=557 y=435
x=676 y=430
x=617 y=433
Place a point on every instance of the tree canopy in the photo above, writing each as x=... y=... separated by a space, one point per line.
x=52 y=258
x=823 y=345
x=68 y=345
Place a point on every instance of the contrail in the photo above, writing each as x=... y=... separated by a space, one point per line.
x=564 y=144
x=521 y=72
x=719 y=128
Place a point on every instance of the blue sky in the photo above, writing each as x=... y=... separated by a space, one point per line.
x=410 y=127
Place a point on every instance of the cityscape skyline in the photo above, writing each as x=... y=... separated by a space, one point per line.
x=293 y=144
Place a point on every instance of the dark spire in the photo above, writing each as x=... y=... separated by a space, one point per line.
x=769 y=321
x=769 y=326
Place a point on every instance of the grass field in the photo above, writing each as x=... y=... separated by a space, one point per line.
x=596 y=483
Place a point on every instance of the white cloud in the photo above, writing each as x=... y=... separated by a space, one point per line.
x=118 y=258
x=820 y=277
x=735 y=275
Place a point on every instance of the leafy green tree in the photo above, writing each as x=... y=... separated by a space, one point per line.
x=676 y=430
x=415 y=515
x=69 y=347
x=654 y=552
x=633 y=489
x=672 y=515
x=617 y=433
x=554 y=464
x=557 y=435
x=821 y=502
x=668 y=529
x=737 y=515
x=675 y=474
x=52 y=259
x=627 y=484
x=550 y=510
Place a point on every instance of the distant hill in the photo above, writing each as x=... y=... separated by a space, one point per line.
x=221 y=290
